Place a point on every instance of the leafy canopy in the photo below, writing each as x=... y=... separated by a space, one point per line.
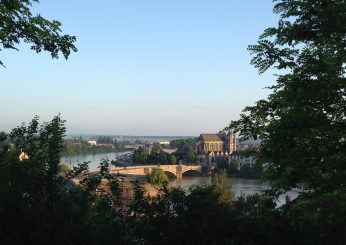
x=223 y=187
x=157 y=177
x=302 y=122
x=17 y=23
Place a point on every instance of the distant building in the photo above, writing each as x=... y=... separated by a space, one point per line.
x=213 y=148
x=107 y=145
x=92 y=142
x=249 y=161
x=243 y=147
x=163 y=142
x=169 y=151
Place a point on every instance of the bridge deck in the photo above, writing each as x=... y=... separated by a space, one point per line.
x=177 y=170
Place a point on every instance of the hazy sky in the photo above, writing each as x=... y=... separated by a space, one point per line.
x=144 y=67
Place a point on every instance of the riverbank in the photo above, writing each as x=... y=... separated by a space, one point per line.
x=240 y=186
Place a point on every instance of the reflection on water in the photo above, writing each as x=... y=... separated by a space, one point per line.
x=94 y=160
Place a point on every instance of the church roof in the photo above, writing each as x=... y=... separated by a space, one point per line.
x=211 y=137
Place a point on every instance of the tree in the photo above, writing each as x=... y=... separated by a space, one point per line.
x=190 y=154
x=63 y=168
x=157 y=177
x=30 y=188
x=182 y=143
x=234 y=166
x=38 y=204
x=223 y=187
x=302 y=122
x=172 y=159
x=140 y=155
x=223 y=164
x=156 y=148
x=17 y=24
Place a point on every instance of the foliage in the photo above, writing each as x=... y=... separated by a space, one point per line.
x=63 y=168
x=140 y=155
x=223 y=165
x=72 y=149
x=302 y=127
x=37 y=205
x=117 y=163
x=155 y=149
x=234 y=167
x=17 y=24
x=245 y=171
x=180 y=144
x=31 y=189
x=185 y=149
x=105 y=140
x=157 y=156
x=223 y=187
x=157 y=177
x=302 y=122
x=172 y=159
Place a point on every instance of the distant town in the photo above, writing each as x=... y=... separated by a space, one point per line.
x=212 y=150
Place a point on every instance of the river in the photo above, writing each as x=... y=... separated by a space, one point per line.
x=94 y=159
x=239 y=186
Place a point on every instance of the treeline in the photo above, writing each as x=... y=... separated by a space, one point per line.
x=105 y=140
x=246 y=171
x=153 y=155
x=72 y=149
x=185 y=149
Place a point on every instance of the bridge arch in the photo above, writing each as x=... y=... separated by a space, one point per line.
x=170 y=174
x=191 y=171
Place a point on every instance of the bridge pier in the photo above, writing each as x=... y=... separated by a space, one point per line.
x=179 y=172
x=206 y=170
x=146 y=171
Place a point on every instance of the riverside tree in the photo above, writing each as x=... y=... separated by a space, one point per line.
x=17 y=24
x=157 y=177
x=223 y=187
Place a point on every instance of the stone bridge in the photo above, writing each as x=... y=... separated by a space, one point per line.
x=176 y=170
x=134 y=146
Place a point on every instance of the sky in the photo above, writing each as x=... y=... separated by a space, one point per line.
x=143 y=67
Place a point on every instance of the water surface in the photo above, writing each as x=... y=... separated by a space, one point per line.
x=94 y=159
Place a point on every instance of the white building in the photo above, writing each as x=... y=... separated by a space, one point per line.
x=92 y=142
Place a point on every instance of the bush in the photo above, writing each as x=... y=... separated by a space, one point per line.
x=63 y=168
x=157 y=177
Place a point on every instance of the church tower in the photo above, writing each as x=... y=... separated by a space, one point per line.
x=231 y=142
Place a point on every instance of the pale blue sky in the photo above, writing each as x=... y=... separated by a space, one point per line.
x=144 y=67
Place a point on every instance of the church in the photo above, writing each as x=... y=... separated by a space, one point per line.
x=212 y=148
